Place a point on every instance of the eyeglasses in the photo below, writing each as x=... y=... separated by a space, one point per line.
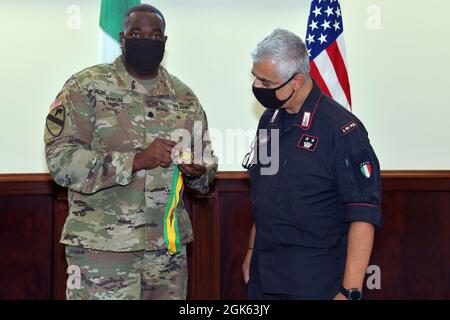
x=249 y=160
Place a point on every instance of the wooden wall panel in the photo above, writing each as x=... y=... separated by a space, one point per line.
x=25 y=247
x=236 y=223
x=203 y=252
x=60 y=211
x=412 y=248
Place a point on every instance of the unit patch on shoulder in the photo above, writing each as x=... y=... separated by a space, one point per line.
x=366 y=169
x=349 y=127
x=55 y=120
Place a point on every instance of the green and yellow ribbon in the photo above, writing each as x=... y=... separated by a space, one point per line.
x=171 y=234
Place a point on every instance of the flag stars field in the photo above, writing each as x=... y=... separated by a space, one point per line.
x=313 y=25
x=336 y=26
x=325 y=25
x=323 y=38
x=329 y=11
x=317 y=11
x=326 y=48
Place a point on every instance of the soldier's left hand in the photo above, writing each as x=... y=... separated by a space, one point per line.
x=192 y=170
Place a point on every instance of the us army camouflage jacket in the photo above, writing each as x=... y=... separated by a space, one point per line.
x=98 y=122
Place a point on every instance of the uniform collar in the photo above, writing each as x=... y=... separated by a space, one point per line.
x=305 y=116
x=309 y=108
x=165 y=86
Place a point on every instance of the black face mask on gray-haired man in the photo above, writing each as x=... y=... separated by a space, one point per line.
x=314 y=218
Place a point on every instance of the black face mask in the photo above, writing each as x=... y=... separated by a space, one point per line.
x=268 y=97
x=144 y=55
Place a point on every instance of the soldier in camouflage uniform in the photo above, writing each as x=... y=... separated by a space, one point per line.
x=108 y=140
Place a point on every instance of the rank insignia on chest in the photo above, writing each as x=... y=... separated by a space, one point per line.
x=308 y=142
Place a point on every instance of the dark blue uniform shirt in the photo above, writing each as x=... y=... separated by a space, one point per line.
x=328 y=177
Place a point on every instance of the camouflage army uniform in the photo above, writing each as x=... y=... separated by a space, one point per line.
x=98 y=122
x=146 y=275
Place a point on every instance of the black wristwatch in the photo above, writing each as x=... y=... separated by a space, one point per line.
x=352 y=294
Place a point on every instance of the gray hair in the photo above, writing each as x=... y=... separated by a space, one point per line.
x=287 y=51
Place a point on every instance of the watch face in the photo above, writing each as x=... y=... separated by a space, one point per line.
x=355 y=295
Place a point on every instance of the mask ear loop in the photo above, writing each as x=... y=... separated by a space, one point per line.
x=282 y=85
x=289 y=80
x=279 y=87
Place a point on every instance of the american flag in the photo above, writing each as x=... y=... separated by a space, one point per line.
x=326 y=47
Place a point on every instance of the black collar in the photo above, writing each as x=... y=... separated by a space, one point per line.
x=305 y=116
x=309 y=108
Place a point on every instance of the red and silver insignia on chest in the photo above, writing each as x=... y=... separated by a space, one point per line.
x=308 y=142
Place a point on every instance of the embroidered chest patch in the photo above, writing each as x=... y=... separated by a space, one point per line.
x=308 y=142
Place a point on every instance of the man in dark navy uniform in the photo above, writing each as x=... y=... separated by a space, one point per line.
x=314 y=215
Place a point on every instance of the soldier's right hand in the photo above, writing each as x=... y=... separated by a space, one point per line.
x=158 y=153
x=246 y=266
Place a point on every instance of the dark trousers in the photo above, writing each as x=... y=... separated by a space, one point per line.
x=256 y=292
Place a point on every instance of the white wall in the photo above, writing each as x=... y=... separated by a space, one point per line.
x=398 y=74
x=38 y=54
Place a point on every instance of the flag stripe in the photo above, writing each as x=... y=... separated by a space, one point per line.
x=112 y=13
x=342 y=49
x=315 y=74
x=107 y=47
x=339 y=67
x=110 y=25
x=325 y=67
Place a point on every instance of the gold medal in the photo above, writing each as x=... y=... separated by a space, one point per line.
x=186 y=156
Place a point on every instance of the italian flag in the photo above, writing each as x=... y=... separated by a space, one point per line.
x=366 y=169
x=111 y=20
